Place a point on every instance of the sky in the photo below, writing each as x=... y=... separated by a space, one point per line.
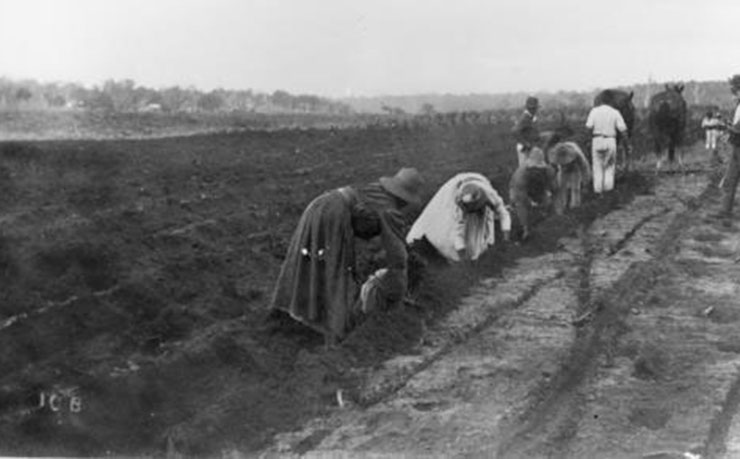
x=338 y=48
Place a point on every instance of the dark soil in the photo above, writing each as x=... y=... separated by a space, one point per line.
x=136 y=276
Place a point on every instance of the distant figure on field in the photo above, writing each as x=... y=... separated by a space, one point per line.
x=732 y=175
x=605 y=122
x=667 y=114
x=533 y=183
x=573 y=170
x=712 y=125
x=459 y=219
x=318 y=284
x=526 y=132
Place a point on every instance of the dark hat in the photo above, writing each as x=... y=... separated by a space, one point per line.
x=532 y=102
x=735 y=83
x=407 y=184
x=471 y=198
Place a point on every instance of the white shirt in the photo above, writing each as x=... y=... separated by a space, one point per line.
x=605 y=121
x=736 y=118
x=710 y=123
x=448 y=228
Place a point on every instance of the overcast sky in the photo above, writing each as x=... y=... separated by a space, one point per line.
x=370 y=47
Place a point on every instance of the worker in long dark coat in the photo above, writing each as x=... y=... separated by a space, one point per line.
x=318 y=284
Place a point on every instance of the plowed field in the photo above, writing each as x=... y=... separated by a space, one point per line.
x=135 y=277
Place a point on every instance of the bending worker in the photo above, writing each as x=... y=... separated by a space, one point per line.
x=459 y=219
x=318 y=285
x=533 y=183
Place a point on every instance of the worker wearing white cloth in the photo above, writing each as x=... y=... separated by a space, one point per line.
x=459 y=219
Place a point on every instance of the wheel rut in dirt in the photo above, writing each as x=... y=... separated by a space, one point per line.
x=549 y=424
x=719 y=431
x=474 y=316
x=508 y=369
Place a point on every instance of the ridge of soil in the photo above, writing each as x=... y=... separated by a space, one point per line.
x=138 y=274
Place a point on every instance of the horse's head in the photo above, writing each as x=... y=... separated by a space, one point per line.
x=623 y=103
x=677 y=88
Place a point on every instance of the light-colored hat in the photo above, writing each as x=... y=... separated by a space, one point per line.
x=407 y=184
x=535 y=158
x=472 y=198
x=564 y=153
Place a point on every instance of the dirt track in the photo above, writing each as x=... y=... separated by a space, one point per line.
x=650 y=367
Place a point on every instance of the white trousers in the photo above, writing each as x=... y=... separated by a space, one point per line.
x=711 y=139
x=603 y=157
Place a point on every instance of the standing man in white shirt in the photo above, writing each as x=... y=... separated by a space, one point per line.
x=605 y=124
x=712 y=126
x=733 y=168
x=526 y=132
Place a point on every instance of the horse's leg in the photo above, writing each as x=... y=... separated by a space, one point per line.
x=626 y=157
x=658 y=157
x=672 y=152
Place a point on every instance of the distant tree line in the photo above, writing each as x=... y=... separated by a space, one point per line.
x=126 y=96
x=697 y=93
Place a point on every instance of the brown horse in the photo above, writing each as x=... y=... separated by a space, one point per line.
x=622 y=102
x=667 y=120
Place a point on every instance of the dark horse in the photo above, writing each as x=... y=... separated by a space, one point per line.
x=622 y=102
x=667 y=121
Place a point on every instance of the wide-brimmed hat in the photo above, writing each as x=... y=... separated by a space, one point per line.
x=472 y=198
x=407 y=184
x=532 y=102
x=535 y=158
x=564 y=153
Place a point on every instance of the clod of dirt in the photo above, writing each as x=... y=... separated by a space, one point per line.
x=310 y=442
x=728 y=346
x=724 y=313
x=230 y=352
x=172 y=323
x=708 y=237
x=652 y=418
x=8 y=264
x=650 y=362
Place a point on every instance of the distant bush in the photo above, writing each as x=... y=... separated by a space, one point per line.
x=126 y=96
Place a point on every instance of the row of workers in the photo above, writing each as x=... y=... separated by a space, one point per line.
x=319 y=284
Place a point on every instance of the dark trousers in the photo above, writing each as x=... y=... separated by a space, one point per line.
x=731 y=180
